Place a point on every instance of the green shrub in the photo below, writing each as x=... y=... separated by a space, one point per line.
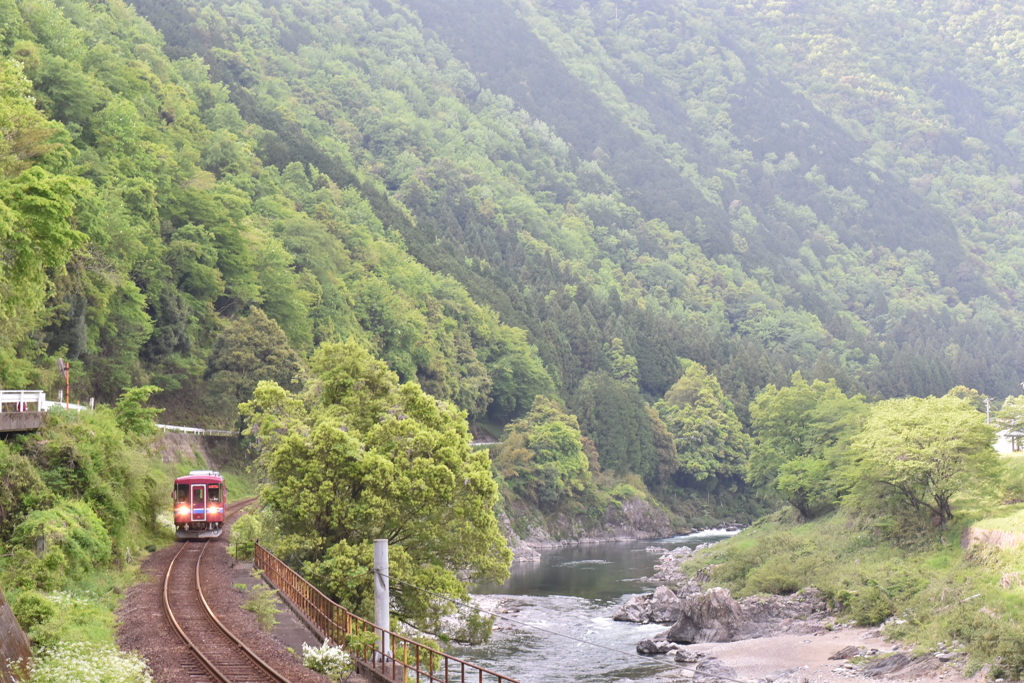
x=262 y=602
x=31 y=609
x=21 y=490
x=69 y=539
x=1009 y=662
x=870 y=606
x=772 y=579
x=626 y=492
x=251 y=527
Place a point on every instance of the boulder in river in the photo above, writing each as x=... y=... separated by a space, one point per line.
x=654 y=647
x=716 y=617
x=660 y=607
x=667 y=567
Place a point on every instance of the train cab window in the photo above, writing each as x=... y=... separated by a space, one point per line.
x=214 y=493
x=197 y=496
x=181 y=493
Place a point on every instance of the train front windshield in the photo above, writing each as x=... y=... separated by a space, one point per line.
x=181 y=493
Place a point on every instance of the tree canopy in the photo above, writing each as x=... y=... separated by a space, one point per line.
x=359 y=456
x=919 y=454
x=541 y=457
x=709 y=439
x=801 y=432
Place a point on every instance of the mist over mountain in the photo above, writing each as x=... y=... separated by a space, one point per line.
x=505 y=199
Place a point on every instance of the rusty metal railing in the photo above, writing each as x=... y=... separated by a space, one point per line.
x=406 y=662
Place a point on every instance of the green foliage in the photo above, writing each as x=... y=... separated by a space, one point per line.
x=541 y=457
x=166 y=188
x=248 y=351
x=916 y=455
x=262 y=602
x=709 y=440
x=255 y=525
x=21 y=489
x=801 y=433
x=616 y=417
x=1011 y=414
x=131 y=417
x=69 y=539
x=86 y=455
x=359 y=456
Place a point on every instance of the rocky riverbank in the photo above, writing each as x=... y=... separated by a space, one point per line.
x=632 y=520
x=769 y=639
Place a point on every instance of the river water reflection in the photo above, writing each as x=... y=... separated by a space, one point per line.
x=575 y=591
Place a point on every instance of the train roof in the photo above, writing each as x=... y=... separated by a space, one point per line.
x=200 y=477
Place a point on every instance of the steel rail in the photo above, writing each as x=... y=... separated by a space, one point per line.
x=203 y=659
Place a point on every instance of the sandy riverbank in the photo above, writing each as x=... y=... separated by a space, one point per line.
x=763 y=658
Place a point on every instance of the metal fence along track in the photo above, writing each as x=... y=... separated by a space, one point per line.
x=406 y=662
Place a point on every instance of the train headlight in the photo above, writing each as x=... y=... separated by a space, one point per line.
x=181 y=510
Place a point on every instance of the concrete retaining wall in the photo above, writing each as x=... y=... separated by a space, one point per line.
x=14 y=644
x=21 y=422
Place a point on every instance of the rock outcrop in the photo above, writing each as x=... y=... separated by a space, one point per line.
x=521 y=552
x=659 y=607
x=654 y=647
x=716 y=617
x=667 y=568
x=1001 y=539
x=710 y=670
x=635 y=519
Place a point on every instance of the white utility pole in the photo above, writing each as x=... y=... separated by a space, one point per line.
x=382 y=593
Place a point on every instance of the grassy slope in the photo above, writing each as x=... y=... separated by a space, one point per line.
x=918 y=578
x=84 y=609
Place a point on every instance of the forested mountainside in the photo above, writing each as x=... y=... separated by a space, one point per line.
x=505 y=199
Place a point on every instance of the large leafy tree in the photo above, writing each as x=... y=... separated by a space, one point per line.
x=248 y=351
x=358 y=456
x=542 y=456
x=709 y=439
x=801 y=431
x=916 y=455
x=37 y=235
x=614 y=414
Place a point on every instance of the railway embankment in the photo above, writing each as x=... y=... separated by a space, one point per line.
x=146 y=630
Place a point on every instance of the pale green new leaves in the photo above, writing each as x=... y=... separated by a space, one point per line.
x=708 y=436
x=920 y=453
x=542 y=456
x=801 y=433
x=358 y=457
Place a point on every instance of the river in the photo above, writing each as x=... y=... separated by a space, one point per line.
x=575 y=590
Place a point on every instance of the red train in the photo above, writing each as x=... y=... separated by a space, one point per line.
x=199 y=502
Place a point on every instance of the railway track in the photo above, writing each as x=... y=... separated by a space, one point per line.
x=219 y=656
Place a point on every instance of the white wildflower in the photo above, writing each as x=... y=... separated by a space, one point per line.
x=88 y=663
x=330 y=660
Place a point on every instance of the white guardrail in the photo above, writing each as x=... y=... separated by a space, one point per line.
x=197 y=430
x=20 y=402
x=35 y=401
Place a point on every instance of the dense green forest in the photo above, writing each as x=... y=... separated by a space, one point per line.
x=666 y=249
x=506 y=200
